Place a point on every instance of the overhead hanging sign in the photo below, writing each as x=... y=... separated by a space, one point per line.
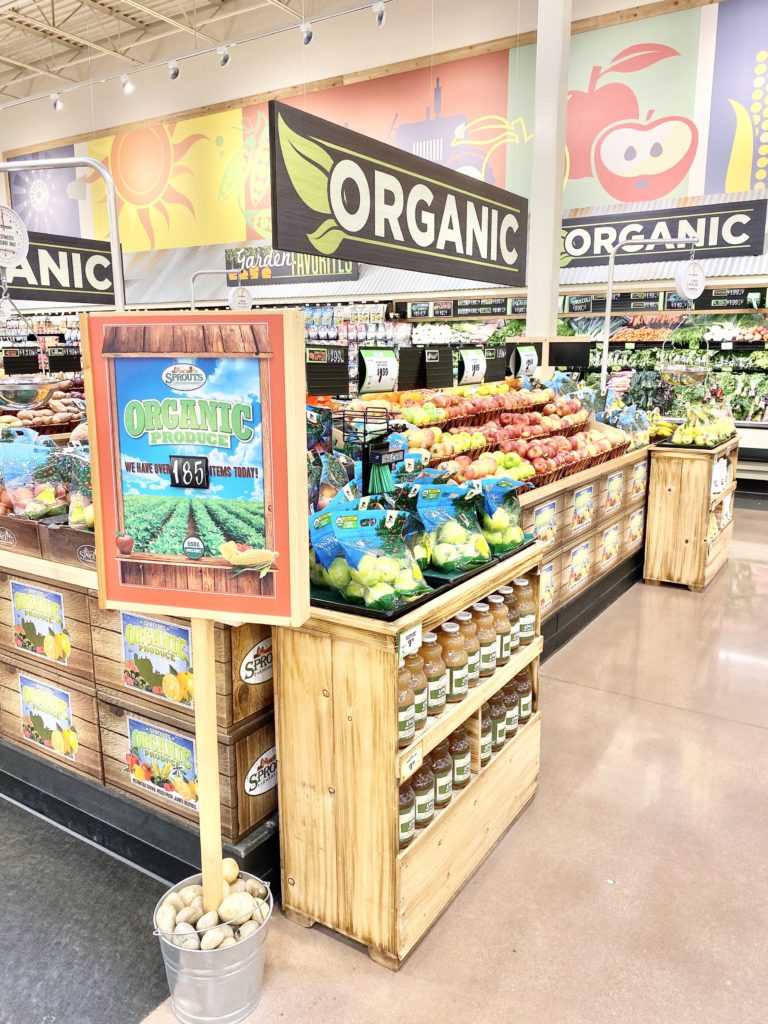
x=61 y=269
x=690 y=280
x=337 y=193
x=14 y=238
x=254 y=265
x=723 y=229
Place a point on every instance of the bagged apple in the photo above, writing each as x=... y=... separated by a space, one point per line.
x=501 y=515
x=378 y=557
x=35 y=476
x=327 y=565
x=449 y=516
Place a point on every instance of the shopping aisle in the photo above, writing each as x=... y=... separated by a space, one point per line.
x=634 y=886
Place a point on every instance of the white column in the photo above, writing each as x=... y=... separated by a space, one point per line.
x=546 y=208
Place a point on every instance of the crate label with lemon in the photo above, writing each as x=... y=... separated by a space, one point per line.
x=39 y=622
x=46 y=717
x=162 y=762
x=583 y=507
x=157 y=658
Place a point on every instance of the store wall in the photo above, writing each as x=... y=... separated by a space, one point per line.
x=690 y=85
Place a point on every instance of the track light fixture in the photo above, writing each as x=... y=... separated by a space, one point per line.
x=57 y=101
x=307 y=34
x=224 y=56
x=127 y=85
x=173 y=70
x=380 y=12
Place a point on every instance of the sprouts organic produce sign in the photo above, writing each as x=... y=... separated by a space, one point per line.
x=162 y=762
x=198 y=475
x=46 y=716
x=39 y=623
x=157 y=658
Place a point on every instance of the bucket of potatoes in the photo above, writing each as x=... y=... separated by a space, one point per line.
x=214 y=960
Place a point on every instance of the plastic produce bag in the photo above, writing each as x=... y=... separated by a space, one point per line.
x=35 y=476
x=501 y=516
x=81 y=512
x=448 y=512
x=377 y=558
x=323 y=546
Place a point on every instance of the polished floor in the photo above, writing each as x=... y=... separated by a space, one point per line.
x=635 y=887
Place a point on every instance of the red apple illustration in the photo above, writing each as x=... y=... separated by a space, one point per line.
x=589 y=113
x=637 y=161
x=124 y=543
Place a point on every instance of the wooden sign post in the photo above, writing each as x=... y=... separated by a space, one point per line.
x=196 y=424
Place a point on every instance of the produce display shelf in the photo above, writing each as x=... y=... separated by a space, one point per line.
x=437 y=728
x=585 y=476
x=460 y=795
x=45 y=569
x=717 y=498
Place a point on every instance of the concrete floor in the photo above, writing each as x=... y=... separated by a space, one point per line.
x=634 y=888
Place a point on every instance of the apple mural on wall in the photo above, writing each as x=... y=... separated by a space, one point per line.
x=637 y=161
x=589 y=113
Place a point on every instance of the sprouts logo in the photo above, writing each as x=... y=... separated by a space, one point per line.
x=86 y=554
x=7 y=538
x=263 y=774
x=184 y=377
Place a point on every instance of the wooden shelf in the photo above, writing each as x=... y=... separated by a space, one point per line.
x=54 y=571
x=410 y=758
x=717 y=498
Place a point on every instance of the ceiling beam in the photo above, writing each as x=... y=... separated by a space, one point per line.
x=31 y=67
x=109 y=10
x=178 y=25
x=285 y=8
x=41 y=28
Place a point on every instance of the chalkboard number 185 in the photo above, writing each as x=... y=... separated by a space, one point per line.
x=190 y=471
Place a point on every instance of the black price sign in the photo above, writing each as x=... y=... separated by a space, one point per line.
x=495 y=363
x=580 y=303
x=327 y=370
x=438 y=367
x=673 y=301
x=518 y=304
x=190 y=471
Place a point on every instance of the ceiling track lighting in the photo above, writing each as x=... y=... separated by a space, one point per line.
x=57 y=101
x=307 y=34
x=381 y=14
x=127 y=85
x=173 y=70
x=224 y=56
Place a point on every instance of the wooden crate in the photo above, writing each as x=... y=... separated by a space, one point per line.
x=30 y=697
x=578 y=564
x=339 y=781
x=247 y=762
x=613 y=491
x=244 y=685
x=51 y=608
x=610 y=544
x=680 y=504
x=20 y=535
x=545 y=520
x=72 y=547
x=636 y=486
x=581 y=508
x=549 y=583
x=634 y=529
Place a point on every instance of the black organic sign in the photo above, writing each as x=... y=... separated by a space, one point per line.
x=339 y=194
x=60 y=269
x=723 y=229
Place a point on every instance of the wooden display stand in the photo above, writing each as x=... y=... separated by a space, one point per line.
x=340 y=769
x=680 y=504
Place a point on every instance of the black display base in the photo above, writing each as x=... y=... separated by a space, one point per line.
x=569 y=620
x=156 y=842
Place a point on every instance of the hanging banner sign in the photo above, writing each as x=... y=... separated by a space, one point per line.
x=723 y=229
x=253 y=265
x=60 y=269
x=690 y=280
x=341 y=194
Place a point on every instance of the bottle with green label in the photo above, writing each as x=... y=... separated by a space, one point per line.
x=435 y=671
x=526 y=607
x=486 y=735
x=503 y=627
x=406 y=708
x=508 y=593
x=442 y=766
x=461 y=755
x=423 y=783
x=498 y=713
x=415 y=665
x=512 y=704
x=407 y=814
x=524 y=690
x=486 y=634
x=468 y=630
x=455 y=658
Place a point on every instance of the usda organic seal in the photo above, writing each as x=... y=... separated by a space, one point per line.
x=193 y=547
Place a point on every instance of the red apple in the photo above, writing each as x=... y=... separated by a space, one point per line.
x=540 y=465
x=124 y=543
x=588 y=113
x=638 y=161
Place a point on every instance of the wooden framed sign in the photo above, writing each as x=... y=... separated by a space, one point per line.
x=199 y=463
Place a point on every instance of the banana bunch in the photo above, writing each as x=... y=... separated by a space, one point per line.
x=659 y=428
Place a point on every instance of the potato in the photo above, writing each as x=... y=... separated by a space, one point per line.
x=185 y=936
x=224 y=888
x=246 y=929
x=189 y=892
x=55 y=406
x=166 y=918
x=236 y=907
x=260 y=911
x=230 y=869
x=209 y=920
x=175 y=901
x=256 y=888
x=238 y=886
x=190 y=915
x=215 y=936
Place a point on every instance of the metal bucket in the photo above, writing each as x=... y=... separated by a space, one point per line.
x=215 y=986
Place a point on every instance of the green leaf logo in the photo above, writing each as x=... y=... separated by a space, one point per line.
x=308 y=166
x=327 y=238
x=565 y=259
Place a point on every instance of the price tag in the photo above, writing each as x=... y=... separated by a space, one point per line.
x=472 y=365
x=629 y=346
x=726 y=346
x=529 y=359
x=411 y=763
x=409 y=642
x=190 y=471
x=378 y=370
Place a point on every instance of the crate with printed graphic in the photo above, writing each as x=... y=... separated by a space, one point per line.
x=54 y=719
x=150 y=657
x=149 y=753
x=47 y=624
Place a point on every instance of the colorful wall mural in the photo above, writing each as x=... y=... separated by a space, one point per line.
x=647 y=120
